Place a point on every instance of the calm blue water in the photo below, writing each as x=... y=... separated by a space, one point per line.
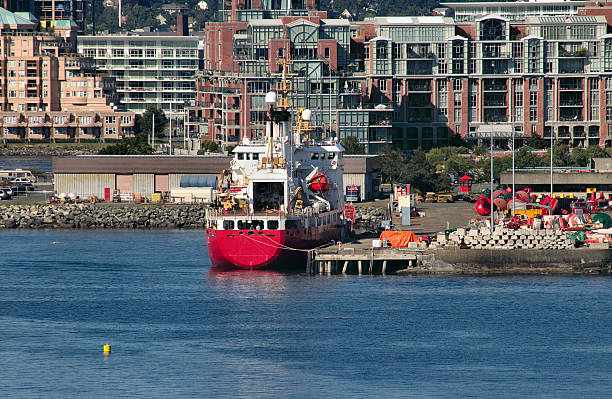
x=180 y=329
x=43 y=164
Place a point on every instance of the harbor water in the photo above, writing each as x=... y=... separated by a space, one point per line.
x=178 y=328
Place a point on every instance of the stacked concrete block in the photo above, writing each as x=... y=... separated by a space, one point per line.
x=502 y=238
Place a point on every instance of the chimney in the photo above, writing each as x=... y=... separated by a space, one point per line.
x=182 y=25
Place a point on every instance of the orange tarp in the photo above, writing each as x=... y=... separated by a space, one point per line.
x=399 y=238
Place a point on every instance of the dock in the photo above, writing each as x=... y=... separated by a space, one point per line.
x=335 y=260
x=455 y=261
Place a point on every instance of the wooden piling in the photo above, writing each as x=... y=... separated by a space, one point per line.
x=359 y=267
x=384 y=267
x=345 y=268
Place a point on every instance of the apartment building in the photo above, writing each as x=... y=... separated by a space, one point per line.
x=47 y=92
x=542 y=75
x=151 y=68
x=540 y=68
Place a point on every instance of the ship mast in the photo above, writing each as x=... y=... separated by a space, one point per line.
x=281 y=116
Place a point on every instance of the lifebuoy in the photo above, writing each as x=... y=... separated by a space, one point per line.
x=333 y=163
x=233 y=162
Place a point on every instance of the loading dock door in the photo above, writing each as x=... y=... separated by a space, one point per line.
x=161 y=183
x=125 y=183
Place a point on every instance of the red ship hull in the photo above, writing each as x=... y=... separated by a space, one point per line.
x=256 y=249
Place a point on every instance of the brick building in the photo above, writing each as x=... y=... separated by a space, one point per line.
x=48 y=92
x=540 y=68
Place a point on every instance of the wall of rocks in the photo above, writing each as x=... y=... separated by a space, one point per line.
x=90 y=216
x=369 y=216
x=502 y=238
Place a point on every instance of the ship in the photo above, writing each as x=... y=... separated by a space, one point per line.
x=282 y=195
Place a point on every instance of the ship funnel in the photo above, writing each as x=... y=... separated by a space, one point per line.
x=271 y=98
x=306 y=114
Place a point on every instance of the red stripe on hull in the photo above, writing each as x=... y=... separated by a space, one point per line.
x=255 y=249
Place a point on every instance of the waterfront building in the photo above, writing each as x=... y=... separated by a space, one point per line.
x=528 y=67
x=47 y=92
x=150 y=68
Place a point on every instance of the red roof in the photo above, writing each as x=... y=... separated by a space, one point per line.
x=465 y=178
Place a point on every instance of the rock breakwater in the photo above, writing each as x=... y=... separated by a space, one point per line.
x=47 y=150
x=88 y=216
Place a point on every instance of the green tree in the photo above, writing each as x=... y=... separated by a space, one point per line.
x=144 y=123
x=392 y=165
x=527 y=159
x=582 y=157
x=138 y=17
x=422 y=175
x=210 y=145
x=561 y=155
x=352 y=145
x=128 y=146
x=536 y=141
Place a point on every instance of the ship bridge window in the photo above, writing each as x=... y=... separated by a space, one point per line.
x=255 y=156
x=247 y=156
x=250 y=224
x=331 y=155
x=272 y=224
x=269 y=196
x=239 y=156
x=228 y=225
x=314 y=155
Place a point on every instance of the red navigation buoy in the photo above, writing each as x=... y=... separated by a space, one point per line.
x=483 y=206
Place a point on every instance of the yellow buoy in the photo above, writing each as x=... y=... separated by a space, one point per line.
x=107 y=349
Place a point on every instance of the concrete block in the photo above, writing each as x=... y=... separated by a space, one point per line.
x=599 y=245
x=412 y=245
x=460 y=231
x=441 y=238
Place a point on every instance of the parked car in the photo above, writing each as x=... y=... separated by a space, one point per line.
x=8 y=190
x=21 y=180
x=19 y=189
x=4 y=195
x=28 y=186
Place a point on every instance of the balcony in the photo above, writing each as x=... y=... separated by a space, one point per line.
x=495 y=85
x=495 y=115
x=580 y=53
x=570 y=84
x=570 y=115
x=571 y=103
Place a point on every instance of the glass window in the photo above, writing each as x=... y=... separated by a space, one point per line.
x=272 y=224
x=228 y=225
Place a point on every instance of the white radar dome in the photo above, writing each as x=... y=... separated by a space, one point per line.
x=271 y=97
x=306 y=114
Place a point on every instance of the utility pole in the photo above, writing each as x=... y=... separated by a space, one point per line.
x=153 y=131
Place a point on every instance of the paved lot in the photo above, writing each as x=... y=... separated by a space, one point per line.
x=438 y=216
x=40 y=194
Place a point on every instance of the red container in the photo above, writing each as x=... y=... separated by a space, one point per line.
x=107 y=194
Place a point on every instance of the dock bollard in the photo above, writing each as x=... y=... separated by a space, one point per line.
x=107 y=349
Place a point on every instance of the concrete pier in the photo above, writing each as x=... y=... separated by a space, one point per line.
x=347 y=260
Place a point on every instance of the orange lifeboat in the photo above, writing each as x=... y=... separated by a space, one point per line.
x=319 y=183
